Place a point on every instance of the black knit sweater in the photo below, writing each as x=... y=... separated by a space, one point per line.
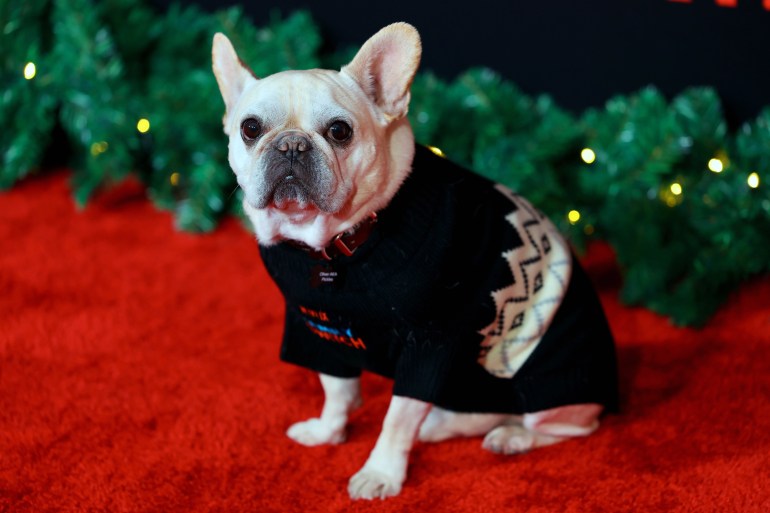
x=410 y=304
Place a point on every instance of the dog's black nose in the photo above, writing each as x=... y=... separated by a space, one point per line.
x=293 y=144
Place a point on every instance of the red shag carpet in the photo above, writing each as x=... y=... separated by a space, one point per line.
x=139 y=372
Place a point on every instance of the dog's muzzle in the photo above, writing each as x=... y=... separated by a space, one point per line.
x=295 y=171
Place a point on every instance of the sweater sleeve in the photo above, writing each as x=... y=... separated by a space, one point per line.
x=301 y=347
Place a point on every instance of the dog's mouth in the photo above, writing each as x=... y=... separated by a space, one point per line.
x=290 y=193
x=296 y=187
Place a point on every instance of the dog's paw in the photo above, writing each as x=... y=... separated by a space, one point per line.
x=370 y=484
x=313 y=432
x=509 y=439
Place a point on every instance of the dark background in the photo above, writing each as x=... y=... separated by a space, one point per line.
x=580 y=52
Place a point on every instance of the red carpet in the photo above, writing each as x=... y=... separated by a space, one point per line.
x=139 y=372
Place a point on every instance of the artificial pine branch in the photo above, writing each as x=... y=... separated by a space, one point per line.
x=684 y=235
x=27 y=108
x=96 y=102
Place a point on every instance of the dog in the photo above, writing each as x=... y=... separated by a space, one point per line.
x=395 y=260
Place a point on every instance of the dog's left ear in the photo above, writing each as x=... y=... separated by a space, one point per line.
x=232 y=75
x=385 y=66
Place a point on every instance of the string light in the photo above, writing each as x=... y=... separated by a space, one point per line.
x=143 y=125
x=672 y=195
x=98 y=148
x=588 y=155
x=437 y=151
x=716 y=165
x=174 y=179
x=753 y=180
x=30 y=70
x=573 y=216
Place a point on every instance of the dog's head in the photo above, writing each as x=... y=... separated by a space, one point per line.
x=316 y=151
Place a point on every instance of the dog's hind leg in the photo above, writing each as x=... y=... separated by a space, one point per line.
x=341 y=396
x=544 y=428
x=442 y=424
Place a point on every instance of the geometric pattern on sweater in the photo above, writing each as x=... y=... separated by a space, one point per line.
x=541 y=270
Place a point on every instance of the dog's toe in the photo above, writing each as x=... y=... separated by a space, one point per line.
x=370 y=484
x=315 y=432
x=512 y=439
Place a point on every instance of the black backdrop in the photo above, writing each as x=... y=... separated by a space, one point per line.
x=580 y=52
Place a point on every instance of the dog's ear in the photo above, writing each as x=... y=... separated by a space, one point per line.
x=385 y=66
x=232 y=75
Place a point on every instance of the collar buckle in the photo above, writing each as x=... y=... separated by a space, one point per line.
x=345 y=243
x=338 y=243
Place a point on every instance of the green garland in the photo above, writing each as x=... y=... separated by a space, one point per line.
x=134 y=93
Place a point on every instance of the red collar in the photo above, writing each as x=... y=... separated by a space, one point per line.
x=345 y=243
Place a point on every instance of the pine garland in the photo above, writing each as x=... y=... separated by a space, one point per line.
x=133 y=91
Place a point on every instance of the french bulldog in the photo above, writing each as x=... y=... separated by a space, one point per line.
x=395 y=260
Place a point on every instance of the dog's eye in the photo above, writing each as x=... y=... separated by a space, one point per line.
x=251 y=129
x=340 y=131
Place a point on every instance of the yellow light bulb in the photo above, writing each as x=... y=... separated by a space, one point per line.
x=437 y=151
x=573 y=216
x=588 y=155
x=174 y=179
x=753 y=180
x=716 y=165
x=30 y=70
x=143 y=125
x=676 y=189
x=98 y=148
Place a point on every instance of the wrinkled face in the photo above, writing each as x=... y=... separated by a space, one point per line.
x=318 y=151
x=298 y=140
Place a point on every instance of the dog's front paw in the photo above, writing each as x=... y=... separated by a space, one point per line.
x=316 y=432
x=371 y=484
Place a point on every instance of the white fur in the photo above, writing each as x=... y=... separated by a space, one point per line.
x=341 y=397
x=384 y=472
x=409 y=420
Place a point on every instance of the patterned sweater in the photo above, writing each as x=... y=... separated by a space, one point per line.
x=464 y=294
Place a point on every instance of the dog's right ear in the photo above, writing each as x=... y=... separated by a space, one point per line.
x=385 y=65
x=232 y=75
